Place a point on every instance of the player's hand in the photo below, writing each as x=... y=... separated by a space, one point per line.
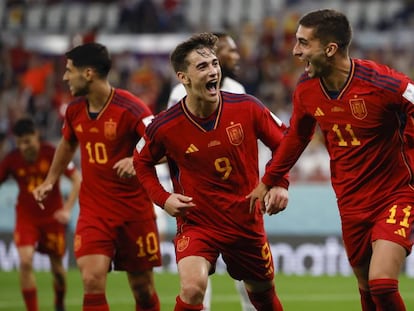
x=125 y=168
x=41 y=192
x=62 y=215
x=178 y=204
x=258 y=193
x=276 y=200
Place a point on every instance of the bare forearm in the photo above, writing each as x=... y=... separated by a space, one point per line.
x=63 y=155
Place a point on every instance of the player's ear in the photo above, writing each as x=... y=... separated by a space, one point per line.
x=182 y=77
x=88 y=72
x=331 y=49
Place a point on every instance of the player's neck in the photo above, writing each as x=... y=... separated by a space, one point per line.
x=339 y=75
x=98 y=96
x=200 y=108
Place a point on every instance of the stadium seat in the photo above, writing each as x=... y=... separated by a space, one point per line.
x=391 y=8
x=14 y=17
x=194 y=12
x=276 y=5
x=215 y=14
x=235 y=7
x=34 y=17
x=353 y=10
x=373 y=13
x=94 y=15
x=254 y=11
x=54 y=17
x=74 y=17
x=110 y=17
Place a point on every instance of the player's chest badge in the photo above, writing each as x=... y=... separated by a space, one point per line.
x=358 y=108
x=235 y=134
x=110 y=130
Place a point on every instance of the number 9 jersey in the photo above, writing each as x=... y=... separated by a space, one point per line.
x=214 y=160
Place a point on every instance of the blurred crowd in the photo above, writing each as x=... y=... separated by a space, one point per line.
x=31 y=82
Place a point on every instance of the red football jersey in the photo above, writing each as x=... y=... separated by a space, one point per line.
x=212 y=160
x=103 y=141
x=363 y=134
x=30 y=175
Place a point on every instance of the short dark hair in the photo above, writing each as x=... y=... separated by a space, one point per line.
x=24 y=126
x=178 y=57
x=330 y=26
x=93 y=55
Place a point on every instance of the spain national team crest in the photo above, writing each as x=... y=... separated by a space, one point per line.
x=110 y=130
x=235 y=134
x=183 y=243
x=358 y=108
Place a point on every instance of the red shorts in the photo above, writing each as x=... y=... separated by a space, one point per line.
x=132 y=245
x=393 y=223
x=245 y=259
x=48 y=237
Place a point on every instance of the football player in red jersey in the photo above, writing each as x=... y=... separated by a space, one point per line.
x=116 y=221
x=210 y=141
x=228 y=56
x=36 y=229
x=360 y=107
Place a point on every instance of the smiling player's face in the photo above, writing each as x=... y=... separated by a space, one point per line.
x=310 y=50
x=203 y=75
x=76 y=79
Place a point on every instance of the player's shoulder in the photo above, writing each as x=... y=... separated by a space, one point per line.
x=125 y=100
x=165 y=120
x=11 y=156
x=77 y=103
x=305 y=81
x=369 y=68
x=235 y=99
x=372 y=68
x=378 y=74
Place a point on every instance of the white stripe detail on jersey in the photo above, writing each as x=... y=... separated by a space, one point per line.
x=409 y=93
x=147 y=120
x=277 y=120
x=140 y=144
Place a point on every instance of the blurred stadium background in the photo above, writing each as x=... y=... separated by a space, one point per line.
x=140 y=34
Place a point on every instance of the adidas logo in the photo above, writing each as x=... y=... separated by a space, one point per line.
x=191 y=149
x=318 y=112
x=78 y=128
x=401 y=232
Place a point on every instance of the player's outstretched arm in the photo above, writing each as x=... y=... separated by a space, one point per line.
x=63 y=155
